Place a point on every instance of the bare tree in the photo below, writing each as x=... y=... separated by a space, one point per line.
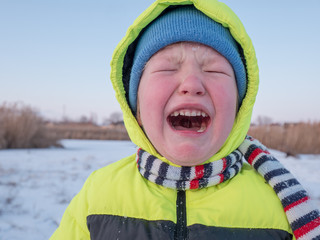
x=264 y=120
x=114 y=118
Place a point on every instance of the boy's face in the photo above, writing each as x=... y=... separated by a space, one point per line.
x=187 y=100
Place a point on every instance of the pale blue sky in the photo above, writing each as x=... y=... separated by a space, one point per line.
x=55 y=55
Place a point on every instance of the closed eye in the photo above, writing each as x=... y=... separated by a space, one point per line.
x=215 y=72
x=165 y=70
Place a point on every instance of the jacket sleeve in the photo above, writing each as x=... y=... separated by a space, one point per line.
x=70 y=229
x=73 y=224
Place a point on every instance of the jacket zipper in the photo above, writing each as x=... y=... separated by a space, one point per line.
x=181 y=232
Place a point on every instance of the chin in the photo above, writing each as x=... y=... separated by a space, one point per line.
x=188 y=162
x=188 y=159
x=187 y=154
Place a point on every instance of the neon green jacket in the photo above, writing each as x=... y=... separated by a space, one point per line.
x=116 y=202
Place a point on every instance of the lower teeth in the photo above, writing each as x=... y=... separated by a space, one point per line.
x=203 y=127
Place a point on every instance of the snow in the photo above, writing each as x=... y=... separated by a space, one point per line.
x=36 y=185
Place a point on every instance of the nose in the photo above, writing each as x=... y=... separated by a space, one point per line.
x=192 y=84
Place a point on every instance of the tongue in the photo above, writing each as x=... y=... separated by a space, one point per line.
x=190 y=124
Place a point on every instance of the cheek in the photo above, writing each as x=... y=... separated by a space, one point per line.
x=156 y=91
x=224 y=97
x=225 y=101
x=152 y=100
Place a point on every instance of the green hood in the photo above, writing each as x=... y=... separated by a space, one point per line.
x=123 y=55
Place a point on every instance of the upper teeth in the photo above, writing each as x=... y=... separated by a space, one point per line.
x=188 y=113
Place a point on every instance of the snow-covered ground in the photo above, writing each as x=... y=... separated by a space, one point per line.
x=36 y=185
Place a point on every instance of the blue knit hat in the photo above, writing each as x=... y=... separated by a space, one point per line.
x=184 y=23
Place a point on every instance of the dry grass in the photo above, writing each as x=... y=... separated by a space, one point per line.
x=293 y=139
x=21 y=127
x=74 y=130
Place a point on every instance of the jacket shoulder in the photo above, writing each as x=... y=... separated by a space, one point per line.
x=73 y=224
x=247 y=202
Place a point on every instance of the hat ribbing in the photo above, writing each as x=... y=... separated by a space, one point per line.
x=184 y=23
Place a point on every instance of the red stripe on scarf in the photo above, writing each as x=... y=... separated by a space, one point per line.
x=199 y=171
x=307 y=228
x=254 y=154
x=224 y=162
x=194 y=184
x=221 y=178
x=138 y=155
x=296 y=203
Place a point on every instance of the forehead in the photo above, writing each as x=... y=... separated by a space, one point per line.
x=178 y=49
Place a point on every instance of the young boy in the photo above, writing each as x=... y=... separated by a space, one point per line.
x=186 y=78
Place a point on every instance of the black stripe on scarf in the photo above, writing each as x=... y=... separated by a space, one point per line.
x=285 y=184
x=274 y=173
x=149 y=164
x=185 y=173
x=203 y=182
x=207 y=171
x=163 y=170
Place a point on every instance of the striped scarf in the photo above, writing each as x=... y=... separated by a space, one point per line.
x=303 y=217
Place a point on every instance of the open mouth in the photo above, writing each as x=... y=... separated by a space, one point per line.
x=189 y=120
